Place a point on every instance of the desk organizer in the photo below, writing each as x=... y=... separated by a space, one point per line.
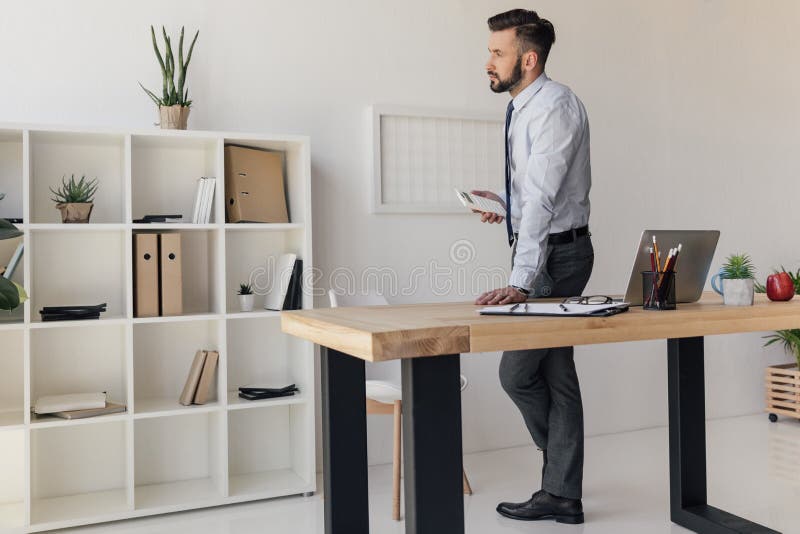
x=658 y=290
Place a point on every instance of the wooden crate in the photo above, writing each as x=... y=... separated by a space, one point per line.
x=783 y=391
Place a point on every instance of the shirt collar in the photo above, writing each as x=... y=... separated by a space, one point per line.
x=521 y=99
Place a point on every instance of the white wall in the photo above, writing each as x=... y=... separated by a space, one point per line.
x=695 y=100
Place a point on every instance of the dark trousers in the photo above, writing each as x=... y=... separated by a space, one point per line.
x=543 y=382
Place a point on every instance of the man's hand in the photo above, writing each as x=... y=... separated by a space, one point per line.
x=485 y=216
x=506 y=295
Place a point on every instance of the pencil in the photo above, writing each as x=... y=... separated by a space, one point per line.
x=658 y=259
x=660 y=275
x=677 y=253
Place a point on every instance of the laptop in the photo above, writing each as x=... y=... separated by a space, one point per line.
x=694 y=262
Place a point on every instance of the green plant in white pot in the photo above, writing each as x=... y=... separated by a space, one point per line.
x=174 y=103
x=11 y=293
x=75 y=199
x=738 y=280
x=246 y=297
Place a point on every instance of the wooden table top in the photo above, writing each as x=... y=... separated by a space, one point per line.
x=379 y=333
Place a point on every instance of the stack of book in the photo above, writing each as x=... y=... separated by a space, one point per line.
x=259 y=393
x=198 y=387
x=203 y=200
x=76 y=406
x=72 y=313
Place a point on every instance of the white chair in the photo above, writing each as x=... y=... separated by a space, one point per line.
x=384 y=393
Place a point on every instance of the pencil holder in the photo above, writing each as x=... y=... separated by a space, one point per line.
x=658 y=290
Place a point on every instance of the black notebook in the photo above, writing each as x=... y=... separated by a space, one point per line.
x=258 y=393
x=72 y=313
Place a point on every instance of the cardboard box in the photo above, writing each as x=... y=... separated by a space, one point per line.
x=254 y=190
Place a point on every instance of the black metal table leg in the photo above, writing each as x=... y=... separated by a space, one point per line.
x=432 y=445
x=344 y=432
x=687 y=446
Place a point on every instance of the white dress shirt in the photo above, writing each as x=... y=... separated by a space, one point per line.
x=550 y=172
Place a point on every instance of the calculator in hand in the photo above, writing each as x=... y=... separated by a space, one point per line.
x=475 y=202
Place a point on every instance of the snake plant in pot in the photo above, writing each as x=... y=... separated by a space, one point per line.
x=11 y=293
x=174 y=102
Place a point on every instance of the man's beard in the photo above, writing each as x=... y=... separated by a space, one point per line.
x=506 y=85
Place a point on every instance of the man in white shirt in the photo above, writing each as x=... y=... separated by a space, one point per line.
x=548 y=178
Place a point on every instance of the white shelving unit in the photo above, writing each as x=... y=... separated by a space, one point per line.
x=159 y=456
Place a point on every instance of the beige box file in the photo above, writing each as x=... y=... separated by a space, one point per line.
x=145 y=275
x=254 y=190
x=171 y=279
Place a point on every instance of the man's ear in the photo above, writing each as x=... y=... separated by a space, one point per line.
x=530 y=60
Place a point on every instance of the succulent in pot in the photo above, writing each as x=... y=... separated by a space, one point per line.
x=737 y=280
x=246 y=297
x=75 y=199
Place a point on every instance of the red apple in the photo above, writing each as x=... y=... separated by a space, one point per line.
x=780 y=286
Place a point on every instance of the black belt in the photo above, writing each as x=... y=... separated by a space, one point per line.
x=562 y=238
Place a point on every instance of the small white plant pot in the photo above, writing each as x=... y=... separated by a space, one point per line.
x=246 y=302
x=737 y=292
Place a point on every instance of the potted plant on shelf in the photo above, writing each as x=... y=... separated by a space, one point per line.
x=11 y=293
x=246 y=297
x=75 y=199
x=173 y=104
x=737 y=276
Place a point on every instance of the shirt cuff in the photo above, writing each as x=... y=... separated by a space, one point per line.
x=523 y=278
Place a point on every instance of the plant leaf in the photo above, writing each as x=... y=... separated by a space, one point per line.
x=8 y=230
x=191 y=49
x=23 y=296
x=170 y=66
x=185 y=70
x=181 y=66
x=9 y=294
x=160 y=62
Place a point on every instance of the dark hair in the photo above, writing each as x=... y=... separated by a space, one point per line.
x=533 y=32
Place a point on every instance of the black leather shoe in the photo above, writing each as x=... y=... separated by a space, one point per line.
x=543 y=506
